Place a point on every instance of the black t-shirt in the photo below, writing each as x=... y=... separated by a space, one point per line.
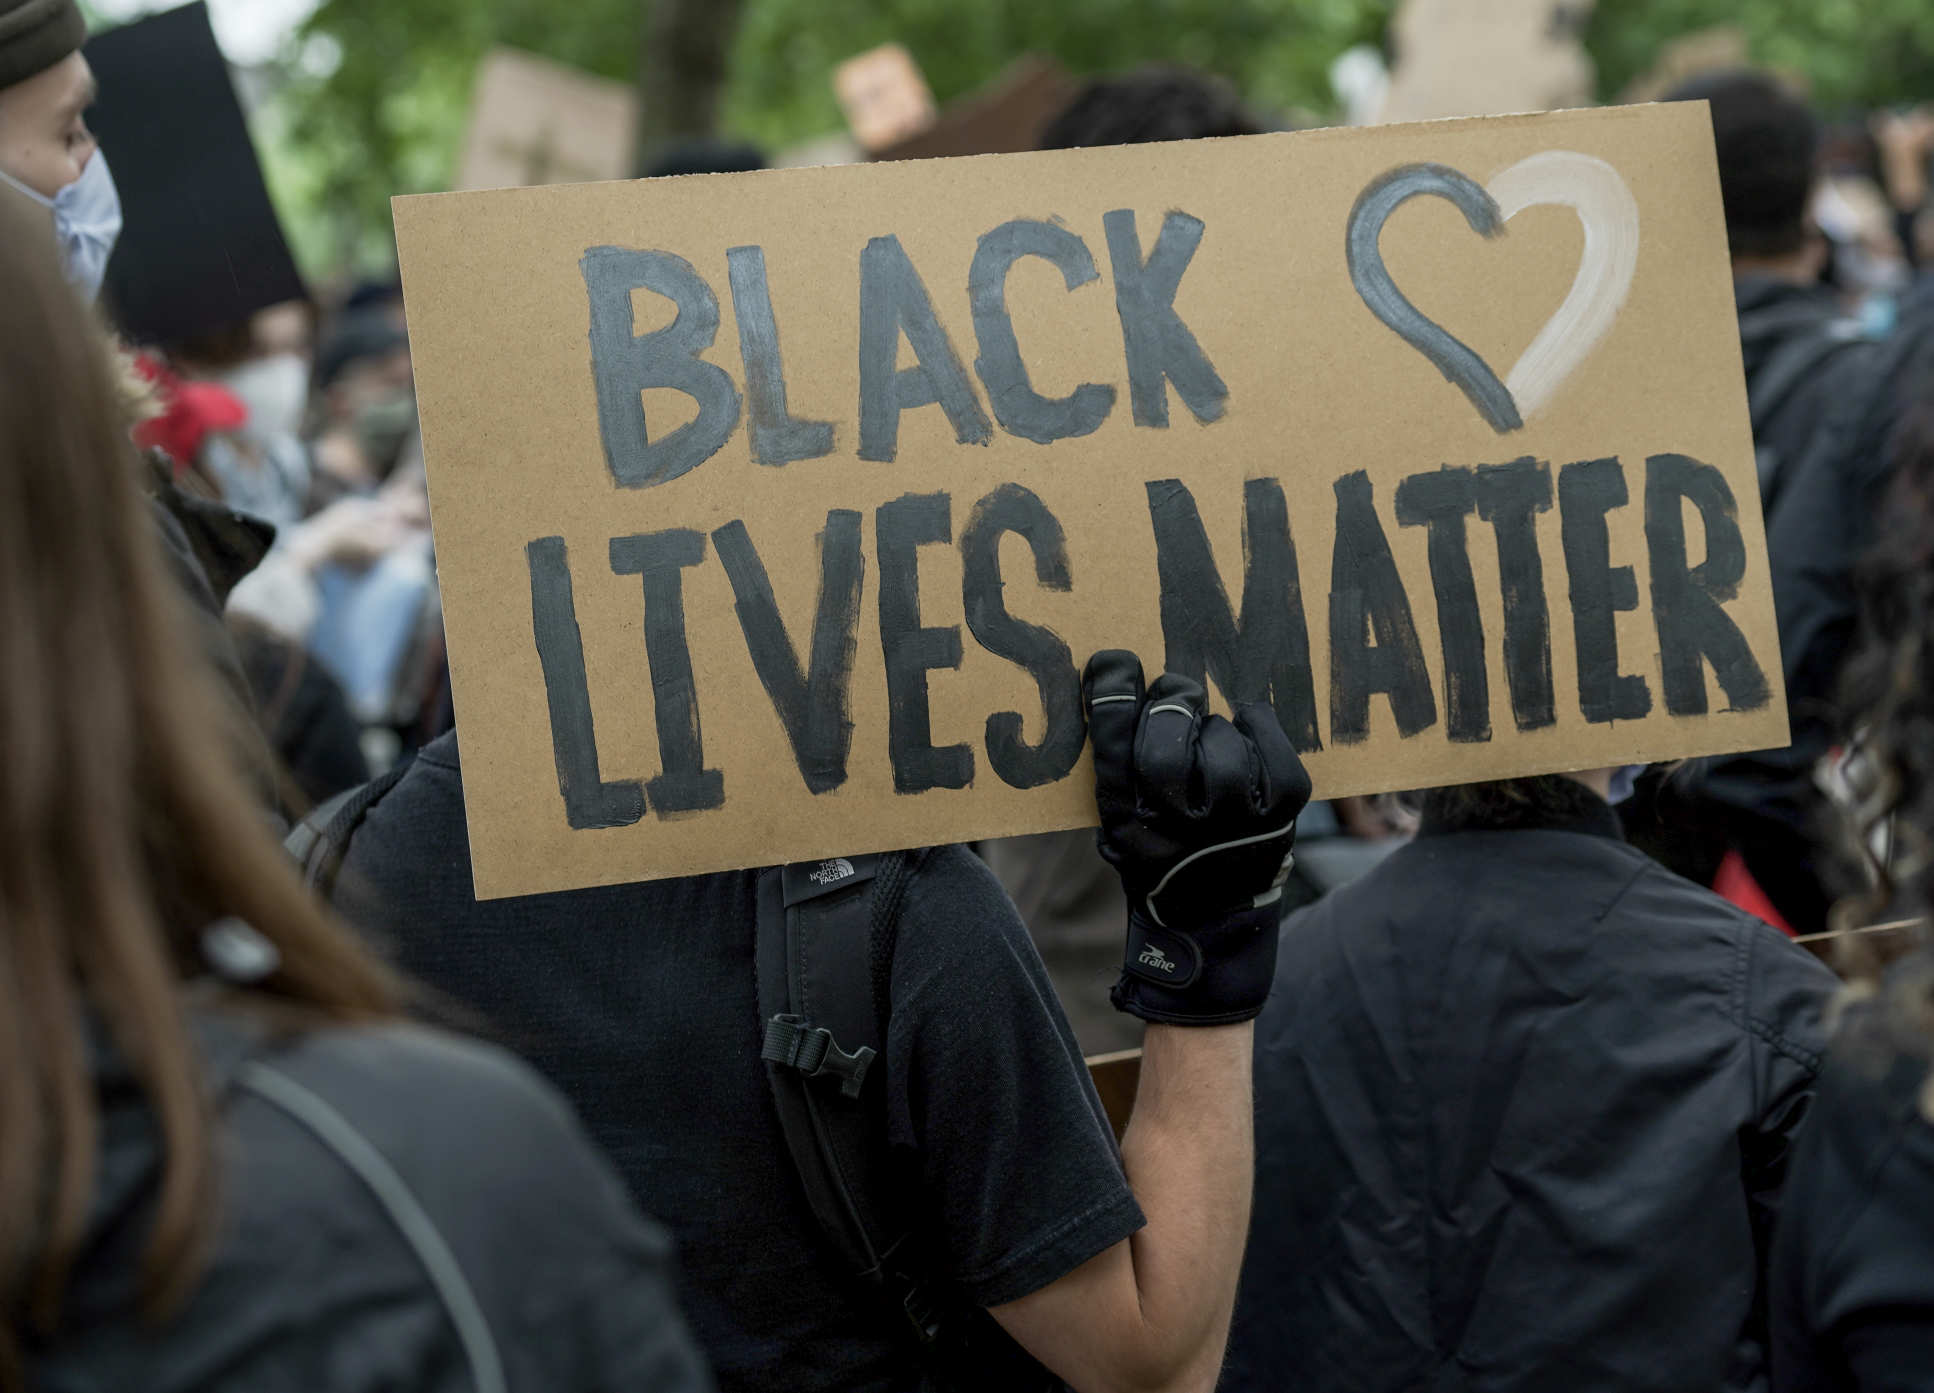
x=1853 y=1263
x=640 y=1004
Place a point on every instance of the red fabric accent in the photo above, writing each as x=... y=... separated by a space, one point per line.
x=190 y=412
x=1734 y=882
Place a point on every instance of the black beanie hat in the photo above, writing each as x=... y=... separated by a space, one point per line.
x=35 y=35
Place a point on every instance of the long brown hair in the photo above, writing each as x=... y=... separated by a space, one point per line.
x=125 y=826
x=1888 y=709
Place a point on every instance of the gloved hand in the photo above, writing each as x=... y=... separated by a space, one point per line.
x=1198 y=815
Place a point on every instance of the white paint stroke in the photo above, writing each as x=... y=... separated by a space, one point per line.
x=1594 y=191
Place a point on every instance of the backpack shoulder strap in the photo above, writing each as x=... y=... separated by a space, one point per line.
x=826 y=932
x=1794 y=362
x=319 y=842
x=399 y=1203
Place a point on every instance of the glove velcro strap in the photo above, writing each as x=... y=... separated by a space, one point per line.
x=1161 y=955
x=1214 y=973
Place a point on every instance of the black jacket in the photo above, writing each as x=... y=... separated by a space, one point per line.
x=1792 y=342
x=1523 y=1100
x=339 y=1152
x=1832 y=454
x=1853 y=1267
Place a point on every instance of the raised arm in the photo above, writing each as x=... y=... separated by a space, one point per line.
x=1198 y=816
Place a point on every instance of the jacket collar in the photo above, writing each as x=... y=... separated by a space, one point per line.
x=1590 y=815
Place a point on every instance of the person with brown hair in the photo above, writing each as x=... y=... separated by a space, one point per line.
x=225 y=1163
x=1853 y=1265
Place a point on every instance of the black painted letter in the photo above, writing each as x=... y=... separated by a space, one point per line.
x=660 y=558
x=1439 y=500
x=901 y=527
x=1509 y=497
x=1159 y=345
x=1688 y=602
x=1037 y=650
x=589 y=800
x=893 y=300
x=1017 y=406
x=1367 y=597
x=1264 y=656
x=776 y=435
x=814 y=705
x=1599 y=590
x=624 y=364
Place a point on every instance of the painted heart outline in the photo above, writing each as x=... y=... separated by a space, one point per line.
x=1606 y=210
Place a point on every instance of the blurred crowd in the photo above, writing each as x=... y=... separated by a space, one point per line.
x=1521 y=1085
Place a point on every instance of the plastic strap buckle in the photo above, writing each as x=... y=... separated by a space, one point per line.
x=923 y=1313
x=793 y=1042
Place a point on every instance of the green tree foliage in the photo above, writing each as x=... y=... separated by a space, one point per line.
x=1853 y=54
x=389 y=117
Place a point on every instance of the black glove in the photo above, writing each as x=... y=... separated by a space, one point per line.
x=1198 y=815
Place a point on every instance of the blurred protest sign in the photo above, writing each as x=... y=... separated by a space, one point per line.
x=1487 y=58
x=1704 y=51
x=777 y=512
x=883 y=95
x=533 y=121
x=1006 y=116
x=201 y=249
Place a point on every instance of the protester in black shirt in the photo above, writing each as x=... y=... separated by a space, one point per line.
x=1115 y=1269
x=639 y=1001
x=1523 y=1101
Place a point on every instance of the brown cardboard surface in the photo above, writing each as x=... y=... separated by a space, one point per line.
x=1487 y=58
x=884 y=96
x=1322 y=398
x=1116 y=1076
x=1007 y=115
x=533 y=121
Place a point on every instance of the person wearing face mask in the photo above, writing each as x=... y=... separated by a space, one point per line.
x=260 y=463
x=49 y=160
x=1523 y=1104
x=47 y=153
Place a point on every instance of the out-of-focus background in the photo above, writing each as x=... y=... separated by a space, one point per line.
x=351 y=101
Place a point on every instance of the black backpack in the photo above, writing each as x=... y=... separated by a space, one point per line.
x=824 y=956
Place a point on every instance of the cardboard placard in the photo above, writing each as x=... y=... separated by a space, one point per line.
x=534 y=122
x=884 y=96
x=1267 y=409
x=201 y=249
x=1487 y=58
x=1718 y=49
x=1009 y=114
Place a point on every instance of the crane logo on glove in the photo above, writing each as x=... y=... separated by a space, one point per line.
x=1155 y=958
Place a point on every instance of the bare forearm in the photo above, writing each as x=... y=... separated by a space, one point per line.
x=1190 y=1155
x=1151 y=1314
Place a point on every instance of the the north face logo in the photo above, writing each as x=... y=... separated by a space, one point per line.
x=1155 y=958
x=830 y=872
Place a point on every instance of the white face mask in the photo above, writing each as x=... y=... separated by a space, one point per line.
x=87 y=220
x=275 y=389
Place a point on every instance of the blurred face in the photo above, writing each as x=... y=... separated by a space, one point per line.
x=369 y=381
x=44 y=140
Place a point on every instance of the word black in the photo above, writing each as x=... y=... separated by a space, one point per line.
x=893 y=302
